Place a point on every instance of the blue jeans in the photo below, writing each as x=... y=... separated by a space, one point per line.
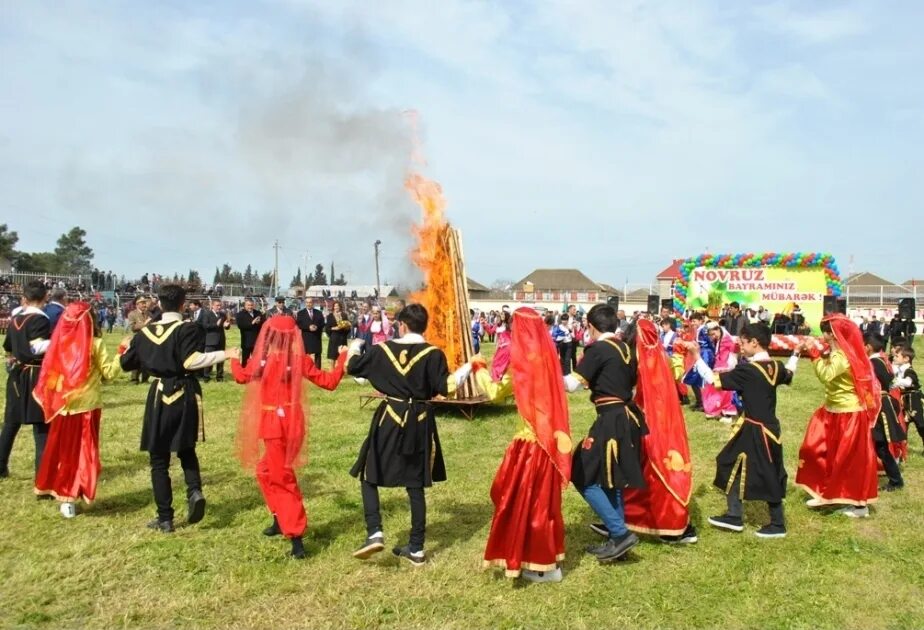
x=608 y=506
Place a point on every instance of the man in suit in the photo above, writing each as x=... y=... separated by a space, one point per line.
x=311 y=322
x=215 y=321
x=248 y=321
x=279 y=309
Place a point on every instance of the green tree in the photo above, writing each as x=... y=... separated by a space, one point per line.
x=226 y=273
x=297 y=279
x=309 y=281
x=193 y=281
x=38 y=262
x=74 y=255
x=341 y=281
x=8 y=242
x=266 y=279
x=248 y=275
x=319 y=277
x=217 y=277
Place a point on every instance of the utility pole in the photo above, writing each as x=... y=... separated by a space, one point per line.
x=305 y=276
x=276 y=269
x=378 y=284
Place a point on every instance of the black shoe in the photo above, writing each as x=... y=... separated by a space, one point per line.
x=4 y=473
x=372 y=546
x=697 y=408
x=43 y=497
x=771 y=531
x=617 y=548
x=273 y=530
x=891 y=487
x=163 y=526
x=298 y=549
x=731 y=523
x=196 y=507
x=688 y=537
x=416 y=558
x=219 y=379
x=600 y=529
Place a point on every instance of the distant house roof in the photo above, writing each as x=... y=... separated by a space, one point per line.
x=637 y=294
x=866 y=279
x=914 y=282
x=610 y=289
x=558 y=279
x=672 y=272
x=474 y=285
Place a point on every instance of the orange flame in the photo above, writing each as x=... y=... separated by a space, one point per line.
x=442 y=273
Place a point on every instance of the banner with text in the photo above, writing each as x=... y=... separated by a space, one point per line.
x=777 y=289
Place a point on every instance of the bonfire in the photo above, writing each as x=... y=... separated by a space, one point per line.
x=445 y=292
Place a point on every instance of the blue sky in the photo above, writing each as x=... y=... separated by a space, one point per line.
x=608 y=136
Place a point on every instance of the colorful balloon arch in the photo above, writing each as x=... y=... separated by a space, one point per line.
x=795 y=260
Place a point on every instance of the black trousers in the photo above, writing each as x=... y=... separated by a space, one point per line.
x=919 y=426
x=736 y=509
x=697 y=395
x=160 y=479
x=219 y=367
x=11 y=427
x=889 y=464
x=373 y=514
x=245 y=354
x=564 y=354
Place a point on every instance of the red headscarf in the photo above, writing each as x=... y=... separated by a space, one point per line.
x=539 y=389
x=866 y=385
x=66 y=365
x=666 y=444
x=275 y=387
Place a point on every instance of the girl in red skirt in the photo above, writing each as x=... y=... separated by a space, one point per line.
x=274 y=415
x=527 y=532
x=837 y=461
x=69 y=392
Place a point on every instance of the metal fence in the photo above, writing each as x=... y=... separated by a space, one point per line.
x=878 y=295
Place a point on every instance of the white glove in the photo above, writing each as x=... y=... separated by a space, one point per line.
x=462 y=373
x=356 y=347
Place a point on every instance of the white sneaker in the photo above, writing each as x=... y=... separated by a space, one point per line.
x=68 y=510
x=855 y=512
x=542 y=576
x=814 y=503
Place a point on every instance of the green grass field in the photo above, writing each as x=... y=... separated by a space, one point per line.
x=104 y=569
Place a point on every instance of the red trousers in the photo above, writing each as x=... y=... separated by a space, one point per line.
x=280 y=489
x=70 y=466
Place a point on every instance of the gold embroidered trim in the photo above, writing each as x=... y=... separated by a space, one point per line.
x=404 y=369
x=626 y=355
x=162 y=334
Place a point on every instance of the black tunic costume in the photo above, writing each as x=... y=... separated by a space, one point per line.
x=403 y=447
x=609 y=455
x=887 y=428
x=173 y=411
x=753 y=456
x=24 y=329
x=913 y=402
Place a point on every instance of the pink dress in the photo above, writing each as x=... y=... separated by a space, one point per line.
x=718 y=402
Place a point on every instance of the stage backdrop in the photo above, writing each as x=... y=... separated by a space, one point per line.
x=772 y=280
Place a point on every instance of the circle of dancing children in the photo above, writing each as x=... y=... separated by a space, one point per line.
x=273 y=414
x=633 y=468
x=69 y=392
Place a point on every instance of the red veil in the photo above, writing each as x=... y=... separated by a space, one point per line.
x=662 y=507
x=66 y=365
x=274 y=392
x=539 y=389
x=850 y=341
